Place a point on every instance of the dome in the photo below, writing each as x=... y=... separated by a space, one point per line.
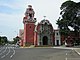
x=45 y=22
x=43 y=25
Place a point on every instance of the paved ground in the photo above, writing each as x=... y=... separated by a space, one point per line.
x=10 y=53
x=76 y=49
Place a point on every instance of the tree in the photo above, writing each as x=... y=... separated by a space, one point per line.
x=3 y=40
x=63 y=25
x=70 y=16
x=0 y=40
x=16 y=39
x=70 y=11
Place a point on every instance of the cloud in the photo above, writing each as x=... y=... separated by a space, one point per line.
x=11 y=15
x=8 y=10
x=14 y=3
x=9 y=24
x=12 y=6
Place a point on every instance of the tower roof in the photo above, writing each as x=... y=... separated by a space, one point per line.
x=45 y=22
x=29 y=5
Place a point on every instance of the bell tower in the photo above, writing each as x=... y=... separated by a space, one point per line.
x=29 y=26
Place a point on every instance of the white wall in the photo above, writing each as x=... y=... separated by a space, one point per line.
x=57 y=37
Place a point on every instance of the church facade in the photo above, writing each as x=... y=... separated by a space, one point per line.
x=41 y=34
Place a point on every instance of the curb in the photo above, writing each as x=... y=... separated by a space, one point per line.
x=67 y=47
x=35 y=47
x=77 y=52
x=27 y=47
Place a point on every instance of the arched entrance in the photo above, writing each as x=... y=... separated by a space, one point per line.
x=45 y=40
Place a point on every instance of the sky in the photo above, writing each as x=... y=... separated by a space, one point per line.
x=12 y=13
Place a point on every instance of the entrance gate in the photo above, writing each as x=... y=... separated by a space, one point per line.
x=45 y=40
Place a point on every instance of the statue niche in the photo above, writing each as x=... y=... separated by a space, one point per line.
x=29 y=12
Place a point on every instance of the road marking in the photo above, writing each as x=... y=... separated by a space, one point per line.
x=77 y=52
x=0 y=48
x=3 y=56
x=3 y=51
x=66 y=53
x=8 y=52
x=13 y=53
x=65 y=58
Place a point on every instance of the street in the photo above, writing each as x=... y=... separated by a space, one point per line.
x=13 y=53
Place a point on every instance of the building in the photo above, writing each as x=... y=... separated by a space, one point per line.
x=44 y=33
x=41 y=34
x=57 y=38
x=21 y=35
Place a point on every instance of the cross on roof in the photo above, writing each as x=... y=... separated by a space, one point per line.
x=44 y=17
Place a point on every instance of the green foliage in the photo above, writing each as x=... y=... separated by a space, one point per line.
x=16 y=39
x=70 y=11
x=3 y=40
x=63 y=25
x=70 y=16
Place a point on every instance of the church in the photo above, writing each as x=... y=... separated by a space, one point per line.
x=39 y=34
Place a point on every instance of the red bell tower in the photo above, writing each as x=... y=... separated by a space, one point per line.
x=29 y=26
